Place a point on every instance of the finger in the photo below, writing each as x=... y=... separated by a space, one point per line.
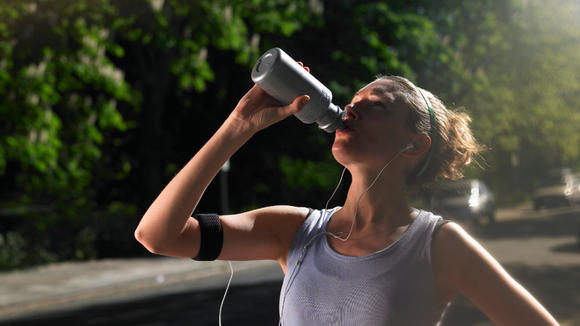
x=302 y=65
x=298 y=103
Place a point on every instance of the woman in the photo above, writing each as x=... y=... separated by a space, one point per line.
x=371 y=261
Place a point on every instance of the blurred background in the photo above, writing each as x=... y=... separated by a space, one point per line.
x=103 y=101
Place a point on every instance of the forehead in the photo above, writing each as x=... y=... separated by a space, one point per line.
x=383 y=88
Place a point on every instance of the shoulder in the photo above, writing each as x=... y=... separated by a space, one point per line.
x=455 y=249
x=293 y=213
x=264 y=233
x=455 y=256
x=451 y=235
x=279 y=216
x=461 y=265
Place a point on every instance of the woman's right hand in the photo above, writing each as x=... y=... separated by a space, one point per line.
x=167 y=227
x=258 y=110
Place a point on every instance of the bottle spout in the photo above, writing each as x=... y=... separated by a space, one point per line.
x=332 y=120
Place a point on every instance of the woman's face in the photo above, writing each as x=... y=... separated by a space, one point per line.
x=376 y=122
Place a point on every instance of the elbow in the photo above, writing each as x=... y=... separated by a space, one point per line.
x=144 y=238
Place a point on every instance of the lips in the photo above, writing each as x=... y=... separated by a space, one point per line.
x=348 y=128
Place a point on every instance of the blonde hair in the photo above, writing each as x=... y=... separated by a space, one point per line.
x=455 y=147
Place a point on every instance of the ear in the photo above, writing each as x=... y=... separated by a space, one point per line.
x=421 y=145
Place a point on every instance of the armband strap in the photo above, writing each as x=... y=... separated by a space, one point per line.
x=212 y=237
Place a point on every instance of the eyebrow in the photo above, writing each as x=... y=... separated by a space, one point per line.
x=382 y=92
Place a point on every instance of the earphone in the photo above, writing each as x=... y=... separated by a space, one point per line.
x=409 y=146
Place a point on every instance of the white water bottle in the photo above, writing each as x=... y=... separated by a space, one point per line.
x=284 y=79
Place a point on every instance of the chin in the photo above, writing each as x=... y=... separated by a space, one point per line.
x=345 y=156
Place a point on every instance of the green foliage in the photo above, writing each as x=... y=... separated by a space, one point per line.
x=103 y=101
x=56 y=73
x=526 y=109
x=78 y=83
x=305 y=175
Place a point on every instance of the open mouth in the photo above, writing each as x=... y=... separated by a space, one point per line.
x=347 y=128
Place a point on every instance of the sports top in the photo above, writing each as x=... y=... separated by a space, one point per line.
x=393 y=286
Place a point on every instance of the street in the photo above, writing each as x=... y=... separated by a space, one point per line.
x=539 y=249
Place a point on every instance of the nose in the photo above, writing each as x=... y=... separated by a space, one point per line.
x=351 y=112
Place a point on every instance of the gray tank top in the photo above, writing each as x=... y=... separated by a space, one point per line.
x=394 y=286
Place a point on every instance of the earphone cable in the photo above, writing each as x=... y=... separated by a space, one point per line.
x=339 y=234
x=226 y=292
x=335 y=189
x=335 y=235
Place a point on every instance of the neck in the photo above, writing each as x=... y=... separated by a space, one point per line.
x=383 y=202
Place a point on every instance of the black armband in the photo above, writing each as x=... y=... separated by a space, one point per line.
x=212 y=237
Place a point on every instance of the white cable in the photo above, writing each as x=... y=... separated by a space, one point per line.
x=335 y=189
x=339 y=234
x=225 y=293
x=336 y=235
x=291 y=278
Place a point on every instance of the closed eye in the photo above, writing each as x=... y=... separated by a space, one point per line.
x=379 y=104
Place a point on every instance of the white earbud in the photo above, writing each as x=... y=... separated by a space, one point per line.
x=409 y=146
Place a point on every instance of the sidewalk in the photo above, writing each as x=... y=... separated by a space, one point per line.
x=75 y=284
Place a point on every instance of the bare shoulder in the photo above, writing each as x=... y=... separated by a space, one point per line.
x=458 y=259
x=284 y=210
x=264 y=233
x=276 y=220
x=448 y=251
x=462 y=265
x=453 y=242
x=280 y=213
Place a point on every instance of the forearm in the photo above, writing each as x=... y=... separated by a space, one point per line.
x=167 y=227
x=167 y=218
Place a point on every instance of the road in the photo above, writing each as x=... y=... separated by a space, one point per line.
x=539 y=249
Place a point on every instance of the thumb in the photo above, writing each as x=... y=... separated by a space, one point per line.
x=300 y=102
x=296 y=105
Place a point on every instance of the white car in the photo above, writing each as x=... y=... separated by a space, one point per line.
x=467 y=199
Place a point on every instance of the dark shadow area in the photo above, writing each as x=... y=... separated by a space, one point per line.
x=571 y=248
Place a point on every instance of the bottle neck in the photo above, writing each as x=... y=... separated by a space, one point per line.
x=332 y=120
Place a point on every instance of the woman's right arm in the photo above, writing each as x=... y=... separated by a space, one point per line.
x=167 y=227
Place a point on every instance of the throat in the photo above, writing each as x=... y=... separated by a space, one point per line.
x=369 y=234
x=361 y=243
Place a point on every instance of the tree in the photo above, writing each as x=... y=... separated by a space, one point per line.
x=525 y=108
x=104 y=101
x=87 y=87
x=60 y=91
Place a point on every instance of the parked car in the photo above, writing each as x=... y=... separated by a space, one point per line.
x=469 y=199
x=557 y=190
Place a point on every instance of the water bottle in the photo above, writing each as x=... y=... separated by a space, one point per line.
x=284 y=79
